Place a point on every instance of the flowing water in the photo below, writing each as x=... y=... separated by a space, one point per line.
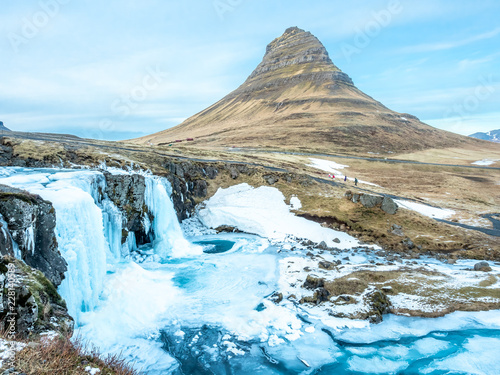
x=199 y=304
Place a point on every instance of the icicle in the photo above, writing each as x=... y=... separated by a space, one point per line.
x=129 y=245
x=113 y=219
x=29 y=239
x=6 y=233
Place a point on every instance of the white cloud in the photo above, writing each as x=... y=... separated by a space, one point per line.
x=469 y=124
x=439 y=46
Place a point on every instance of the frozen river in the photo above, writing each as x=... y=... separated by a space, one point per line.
x=195 y=302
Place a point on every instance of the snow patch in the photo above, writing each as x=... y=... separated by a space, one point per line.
x=429 y=211
x=335 y=168
x=263 y=211
x=486 y=162
x=295 y=203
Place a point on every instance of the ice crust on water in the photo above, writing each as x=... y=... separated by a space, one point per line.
x=479 y=356
x=376 y=365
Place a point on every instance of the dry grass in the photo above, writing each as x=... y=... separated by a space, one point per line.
x=470 y=192
x=436 y=289
x=63 y=356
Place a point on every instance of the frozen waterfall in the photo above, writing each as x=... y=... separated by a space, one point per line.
x=169 y=239
x=89 y=227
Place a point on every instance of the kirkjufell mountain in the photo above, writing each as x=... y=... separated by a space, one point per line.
x=298 y=99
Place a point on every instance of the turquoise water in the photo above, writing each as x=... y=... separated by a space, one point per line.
x=232 y=283
x=215 y=246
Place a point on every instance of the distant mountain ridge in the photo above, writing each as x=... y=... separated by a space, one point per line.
x=3 y=127
x=492 y=136
x=297 y=99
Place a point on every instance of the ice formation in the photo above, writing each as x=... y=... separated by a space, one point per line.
x=212 y=308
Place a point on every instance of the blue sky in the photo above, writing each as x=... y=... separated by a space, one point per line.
x=122 y=69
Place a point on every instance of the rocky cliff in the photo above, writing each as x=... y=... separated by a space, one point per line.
x=298 y=99
x=30 y=221
x=29 y=302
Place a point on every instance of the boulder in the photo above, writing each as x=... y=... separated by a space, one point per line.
x=378 y=305
x=323 y=246
x=271 y=179
x=313 y=282
x=211 y=172
x=397 y=230
x=389 y=206
x=482 y=266
x=324 y=264
x=370 y=201
x=408 y=243
x=233 y=172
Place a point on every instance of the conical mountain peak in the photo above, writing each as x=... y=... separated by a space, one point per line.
x=295 y=52
x=298 y=99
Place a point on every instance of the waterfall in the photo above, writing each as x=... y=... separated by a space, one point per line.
x=169 y=239
x=80 y=232
x=89 y=227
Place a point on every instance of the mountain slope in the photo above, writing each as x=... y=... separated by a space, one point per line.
x=298 y=99
x=492 y=136
x=3 y=127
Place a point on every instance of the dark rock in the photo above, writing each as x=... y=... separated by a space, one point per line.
x=31 y=223
x=271 y=179
x=408 y=243
x=326 y=265
x=233 y=172
x=276 y=297
x=355 y=197
x=482 y=266
x=378 y=304
x=397 y=230
x=370 y=201
x=212 y=172
x=321 y=295
x=389 y=206
x=127 y=192
x=336 y=240
x=200 y=188
x=38 y=306
x=323 y=246
x=313 y=282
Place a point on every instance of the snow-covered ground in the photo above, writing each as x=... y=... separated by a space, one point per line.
x=263 y=211
x=486 y=162
x=334 y=168
x=423 y=209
